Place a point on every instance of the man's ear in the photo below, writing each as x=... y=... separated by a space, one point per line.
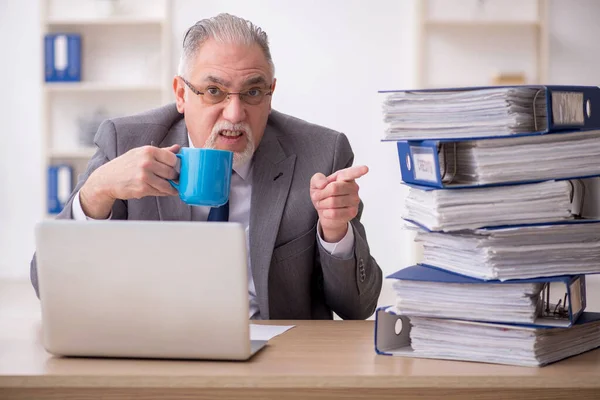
x=179 y=90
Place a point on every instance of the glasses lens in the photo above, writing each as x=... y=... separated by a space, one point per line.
x=253 y=99
x=214 y=96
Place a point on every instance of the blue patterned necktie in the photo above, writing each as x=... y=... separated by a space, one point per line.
x=220 y=213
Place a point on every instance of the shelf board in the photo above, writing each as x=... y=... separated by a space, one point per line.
x=98 y=87
x=481 y=23
x=82 y=153
x=108 y=21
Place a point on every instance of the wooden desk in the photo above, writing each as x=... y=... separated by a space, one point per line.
x=317 y=359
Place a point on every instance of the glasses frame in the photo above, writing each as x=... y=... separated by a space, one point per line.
x=227 y=94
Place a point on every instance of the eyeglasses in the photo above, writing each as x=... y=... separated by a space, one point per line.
x=214 y=94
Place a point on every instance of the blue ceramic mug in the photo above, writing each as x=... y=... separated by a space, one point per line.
x=204 y=177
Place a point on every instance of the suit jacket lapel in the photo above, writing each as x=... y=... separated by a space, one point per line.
x=171 y=208
x=271 y=180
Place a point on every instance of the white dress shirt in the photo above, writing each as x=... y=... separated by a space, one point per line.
x=239 y=211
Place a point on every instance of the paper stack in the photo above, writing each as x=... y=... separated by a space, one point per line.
x=431 y=292
x=496 y=194
x=452 y=210
x=516 y=252
x=479 y=112
x=503 y=344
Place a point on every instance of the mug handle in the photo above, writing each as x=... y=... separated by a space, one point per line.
x=175 y=185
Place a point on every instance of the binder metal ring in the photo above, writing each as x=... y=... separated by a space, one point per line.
x=560 y=310
x=582 y=198
x=444 y=147
x=534 y=116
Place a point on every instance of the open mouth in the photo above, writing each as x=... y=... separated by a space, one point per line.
x=230 y=134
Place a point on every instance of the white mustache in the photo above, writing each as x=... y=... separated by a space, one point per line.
x=238 y=158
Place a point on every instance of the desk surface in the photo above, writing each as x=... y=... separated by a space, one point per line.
x=323 y=359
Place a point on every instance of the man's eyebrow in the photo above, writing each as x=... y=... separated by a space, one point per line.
x=216 y=80
x=255 y=81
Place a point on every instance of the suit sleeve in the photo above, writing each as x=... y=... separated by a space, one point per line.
x=352 y=285
x=106 y=141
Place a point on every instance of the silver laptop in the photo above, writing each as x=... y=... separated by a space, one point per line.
x=144 y=289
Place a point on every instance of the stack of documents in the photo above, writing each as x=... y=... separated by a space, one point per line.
x=479 y=112
x=497 y=188
x=502 y=344
x=516 y=252
x=457 y=209
x=423 y=291
x=506 y=160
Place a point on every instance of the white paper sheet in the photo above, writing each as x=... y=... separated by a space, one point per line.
x=267 y=332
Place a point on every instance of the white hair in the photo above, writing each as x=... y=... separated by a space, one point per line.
x=223 y=28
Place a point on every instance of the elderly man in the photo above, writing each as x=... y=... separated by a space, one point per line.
x=293 y=186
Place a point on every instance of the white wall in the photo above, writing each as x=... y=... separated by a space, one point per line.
x=574 y=48
x=20 y=152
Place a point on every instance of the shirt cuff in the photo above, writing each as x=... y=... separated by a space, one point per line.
x=342 y=249
x=77 y=211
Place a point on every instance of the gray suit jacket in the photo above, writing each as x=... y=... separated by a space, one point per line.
x=295 y=277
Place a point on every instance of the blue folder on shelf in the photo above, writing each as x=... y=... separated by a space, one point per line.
x=59 y=187
x=573 y=304
x=62 y=57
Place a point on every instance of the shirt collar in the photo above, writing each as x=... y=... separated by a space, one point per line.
x=242 y=170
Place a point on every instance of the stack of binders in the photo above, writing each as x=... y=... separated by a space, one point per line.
x=497 y=179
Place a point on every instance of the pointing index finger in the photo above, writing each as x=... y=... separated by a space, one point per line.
x=348 y=174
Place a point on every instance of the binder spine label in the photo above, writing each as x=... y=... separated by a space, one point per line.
x=567 y=108
x=424 y=165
